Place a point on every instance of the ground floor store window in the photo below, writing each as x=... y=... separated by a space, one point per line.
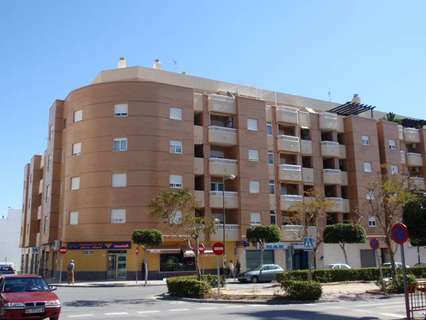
x=170 y=262
x=253 y=258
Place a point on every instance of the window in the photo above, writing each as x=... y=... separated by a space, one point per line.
x=367 y=167
x=119 y=180
x=74 y=217
x=176 y=147
x=253 y=155
x=118 y=216
x=75 y=183
x=175 y=182
x=271 y=186
x=176 y=218
x=372 y=222
x=216 y=186
x=254 y=186
x=78 y=116
x=252 y=124
x=119 y=144
x=269 y=128
x=394 y=169
x=121 y=110
x=255 y=218
x=217 y=154
x=76 y=149
x=273 y=217
x=175 y=113
x=365 y=140
x=392 y=144
x=270 y=157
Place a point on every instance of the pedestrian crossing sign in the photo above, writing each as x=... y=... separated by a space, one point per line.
x=308 y=243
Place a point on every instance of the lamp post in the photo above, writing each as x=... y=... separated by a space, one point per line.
x=224 y=179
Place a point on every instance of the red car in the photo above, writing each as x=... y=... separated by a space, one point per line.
x=27 y=297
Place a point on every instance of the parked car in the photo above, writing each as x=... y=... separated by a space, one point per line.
x=264 y=273
x=27 y=297
x=397 y=264
x=6 y=269
x=339 y=266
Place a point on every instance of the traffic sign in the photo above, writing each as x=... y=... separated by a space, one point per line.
x=308 y=243
x=201 y=248
x=218 y=248
x=399 y=233
x=374 y=243
x=63 y=250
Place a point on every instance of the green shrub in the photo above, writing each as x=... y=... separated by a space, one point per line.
x=188 y=287
x=397 y=284
x=302 y=290
x=363 y=274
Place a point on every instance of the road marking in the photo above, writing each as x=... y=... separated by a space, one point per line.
x=80 y=316
x=257 y=305
x=393 y=315
x=207 y=308
x=178 y=310
x=148 y=311
x=116 y=314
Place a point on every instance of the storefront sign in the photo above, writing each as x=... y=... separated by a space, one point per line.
x=276 y=245
x=99 y=245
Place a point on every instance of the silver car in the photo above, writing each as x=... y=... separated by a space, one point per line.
x=264 y=273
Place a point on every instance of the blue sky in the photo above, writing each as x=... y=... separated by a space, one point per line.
x=47 y=48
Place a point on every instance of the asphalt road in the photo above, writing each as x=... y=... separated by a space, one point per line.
x=143 y=302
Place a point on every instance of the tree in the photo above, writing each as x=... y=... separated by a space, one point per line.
x=343 y=233
x=387 y=196
x=414 y=217
x=312 y=211
x=260 y=235
x=147 y=239
x=177 y=209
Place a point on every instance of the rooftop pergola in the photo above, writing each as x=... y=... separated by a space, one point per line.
x=351 y=109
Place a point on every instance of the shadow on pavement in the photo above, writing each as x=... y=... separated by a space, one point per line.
x=300 y=314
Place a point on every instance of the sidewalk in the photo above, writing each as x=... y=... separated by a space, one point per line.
x=111 y=284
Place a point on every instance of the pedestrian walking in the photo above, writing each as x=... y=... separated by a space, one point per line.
x=237 y=269
x=231 y=270
x=71 y=272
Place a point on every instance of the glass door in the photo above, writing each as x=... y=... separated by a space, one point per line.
x=111 y=266
x=121 y=267
x=116 y=266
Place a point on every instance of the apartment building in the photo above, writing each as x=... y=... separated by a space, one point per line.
x=247 y=154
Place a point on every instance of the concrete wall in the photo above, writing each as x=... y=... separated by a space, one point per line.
x=10 y=226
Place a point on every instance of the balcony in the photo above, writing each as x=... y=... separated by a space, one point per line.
x=198 y=166
x=222 y=136
x=198 y=135
x=304 y=119
x=231 y=200
x=293 y=232
x=287 y=115
x=291 y=172
x=222 y=104
x=331 y=121
x=39 y=213
x=198 y=102
x=232 y=232
x=199 y=198
x=223 y=167
x=306 y=146
x=288 y=143
x=414 y=159
x=335 y=176
x=38 y=240
x=289 y=200
x=417 y=183
x=308 y=175
x=411 y=135
x=333 y=149
x=272 y=202
x=338 y=205
x=40 y=186
x=400 y=132
x=403 y=159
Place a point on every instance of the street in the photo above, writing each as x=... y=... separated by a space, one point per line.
x=143 y=302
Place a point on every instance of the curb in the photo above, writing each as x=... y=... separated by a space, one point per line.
x=105 y=285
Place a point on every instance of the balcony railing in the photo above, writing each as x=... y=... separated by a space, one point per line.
x=400 y=132
x=231 y=199
x=331 y=121
x=222 y=104
x=292 y=232
x=338 y=205
x=287 y=114
x=198 y=102
x=308 y=175
x=333 y=149
x=199 y=198
x=223 y=167
x=222 y=136
x=198 y=166
x=335 y=176
x=414 y=159
x=198 y=135
x=403 y=159
x=304 y=119
x=306 y=146
x=291 y=172
x=289 y=200
x=232 y=232
x=417 y=183
x=288 y=143
x=411 y=135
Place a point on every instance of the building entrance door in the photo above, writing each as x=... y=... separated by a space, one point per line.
x=116 y=266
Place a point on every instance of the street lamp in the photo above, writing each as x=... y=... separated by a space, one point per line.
x=225 y=178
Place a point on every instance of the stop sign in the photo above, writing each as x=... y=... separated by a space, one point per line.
x=218 y=248
x=63 y=250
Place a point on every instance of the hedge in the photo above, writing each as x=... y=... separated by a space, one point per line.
x=302 y=290
x=188 y=287
x=328 y=275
